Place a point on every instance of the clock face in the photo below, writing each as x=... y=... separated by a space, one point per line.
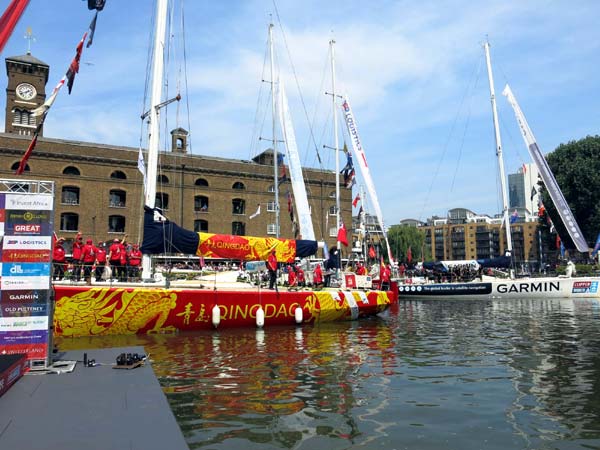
x=26 y=91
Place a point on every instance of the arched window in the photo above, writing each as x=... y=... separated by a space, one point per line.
x=116 y=224
x=179 y=143
x=15 y=166
x=238 y=186
x=118 y=175
x=23 y=117
x=69 y=222
x=70 y=195
x=201 y=226
x=238 y=206
x=201 y=182
x=201 y=203
x=163 y=179
x=162 y=201
x=117 y=198
x=71 y=170
x=238 y=228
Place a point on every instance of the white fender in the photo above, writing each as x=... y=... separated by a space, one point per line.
x=298 y=315
x=260 y=317
x=216 y=316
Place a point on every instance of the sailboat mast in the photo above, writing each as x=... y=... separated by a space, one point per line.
x=335 y=142
x=505 y=218
x=154 y=128
x=274 y=111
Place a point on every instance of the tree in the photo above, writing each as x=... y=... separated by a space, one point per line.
x=403 y=237
x=576 y=167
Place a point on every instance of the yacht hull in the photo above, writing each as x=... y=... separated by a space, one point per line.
x=94 y=311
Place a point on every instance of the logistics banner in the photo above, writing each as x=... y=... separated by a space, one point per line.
x=26 y=229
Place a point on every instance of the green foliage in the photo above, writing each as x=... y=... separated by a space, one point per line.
x=576 y=167
x=402 y=237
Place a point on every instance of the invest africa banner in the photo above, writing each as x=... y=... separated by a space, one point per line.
x=26 y=229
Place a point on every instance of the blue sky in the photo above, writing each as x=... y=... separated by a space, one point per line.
x=414 y=72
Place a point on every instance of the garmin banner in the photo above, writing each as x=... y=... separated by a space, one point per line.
x=26 y=229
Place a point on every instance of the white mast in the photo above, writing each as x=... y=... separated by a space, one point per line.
x=274 y=111
x=335 y=145
x=505 y=218
x=155 y=100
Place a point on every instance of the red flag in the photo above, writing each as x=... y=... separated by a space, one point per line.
x=409 y=254
x=557 y=241
x=28 y=153
x=9 y=20
x=355 y=201
x=371 y=252
x=342 y=236
x=74 y=67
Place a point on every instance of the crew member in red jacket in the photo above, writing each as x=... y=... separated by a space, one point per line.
x=318 y=277
x=88 y=256
x=135 y=261
x=76 y=256
x=100 y=260
x=272 y=267
x=59 y=260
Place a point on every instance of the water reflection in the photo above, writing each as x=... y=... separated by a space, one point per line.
x=509 y=374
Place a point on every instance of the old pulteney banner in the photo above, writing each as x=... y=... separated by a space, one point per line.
x=26 y=218
x=163 y=236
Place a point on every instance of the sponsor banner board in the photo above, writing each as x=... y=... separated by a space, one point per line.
x=24 y=296
x=23 y=337
x=27 y=222
x=27 y=255
x=33 y=351
x=25 y=283
x=29 y=323
x=445 y=289
x=23 y=309
x=12 y=367
x=27 y=243
x=19 y=269
x=29 y=201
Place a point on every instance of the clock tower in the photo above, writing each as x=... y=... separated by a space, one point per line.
x=26 y=90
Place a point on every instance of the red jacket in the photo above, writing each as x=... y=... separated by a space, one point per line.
x=318 y=275
x=135 y=257
x=89 y=252
x=115 y=252
x=58 y=254
x=272 y=262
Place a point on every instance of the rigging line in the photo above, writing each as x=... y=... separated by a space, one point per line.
x=475 y=73
x=297 y=81
x=185 y=72
x=318 y=100
x=256 y=130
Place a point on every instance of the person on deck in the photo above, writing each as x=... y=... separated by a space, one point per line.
x=135 y=261
x=59 y=260
x=292 y=279
x=272 y=268
x=301 y=277
x=100 y=260
x=318 y=277
x=114 y=258
x=385 y=277
x=76 y=255
x=88 y=256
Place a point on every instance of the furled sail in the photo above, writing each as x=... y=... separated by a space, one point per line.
x=303 y=210
x=547 y=176
x=364 y=168
x=164 y=236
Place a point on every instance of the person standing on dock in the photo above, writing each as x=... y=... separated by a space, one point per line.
x=88 y=256
x=100 y=260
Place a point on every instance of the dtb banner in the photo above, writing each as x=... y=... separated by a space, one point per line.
x=26 y=229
